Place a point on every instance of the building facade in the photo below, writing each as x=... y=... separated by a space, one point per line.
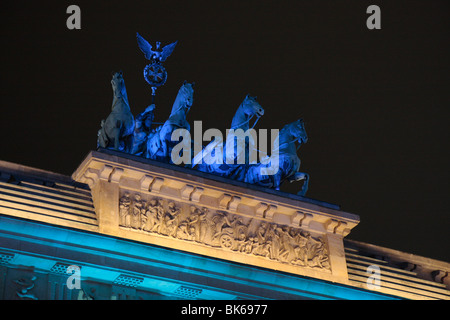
x=124 y=227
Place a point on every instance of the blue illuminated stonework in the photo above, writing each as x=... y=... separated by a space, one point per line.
x=112 y=268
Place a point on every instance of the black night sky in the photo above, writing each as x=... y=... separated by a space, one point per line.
x=375 y=102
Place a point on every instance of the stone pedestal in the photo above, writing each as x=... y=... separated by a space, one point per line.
x=187 y=210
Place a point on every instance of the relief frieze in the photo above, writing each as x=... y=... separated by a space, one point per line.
x=221 y=229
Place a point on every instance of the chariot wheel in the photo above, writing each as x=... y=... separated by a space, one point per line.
x=155 y=74
x=226 y=241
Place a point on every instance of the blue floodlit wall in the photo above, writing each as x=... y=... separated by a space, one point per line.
x=35 y=257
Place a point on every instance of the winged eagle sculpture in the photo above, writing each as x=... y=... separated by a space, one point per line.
x=158 y=54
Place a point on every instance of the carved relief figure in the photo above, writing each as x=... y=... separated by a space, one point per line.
x=136 y=214
x=229 y=233
x=171 y=220
x=150 y=216
x=217 y=223
x=286 y=253
x=124 y=210
x=157 y=212
x=194 y=227
x=317 y=257
x=300 y=249
x=199 y=223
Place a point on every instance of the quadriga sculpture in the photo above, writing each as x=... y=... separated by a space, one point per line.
x=117 y=130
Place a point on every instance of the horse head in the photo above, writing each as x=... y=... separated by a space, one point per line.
x=186 y=93
x=297 y=130
x=118 y=86
x=251 y=107
x=246 y=111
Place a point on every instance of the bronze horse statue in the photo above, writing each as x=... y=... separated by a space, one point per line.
x=159 y=143
x=248 y=109
x=117 y=130
x=284 y=163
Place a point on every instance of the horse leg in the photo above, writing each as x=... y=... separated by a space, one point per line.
x=305 y=178
x=117 y=135
x=277 y=181
x=128 y=143
x=102 y=140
